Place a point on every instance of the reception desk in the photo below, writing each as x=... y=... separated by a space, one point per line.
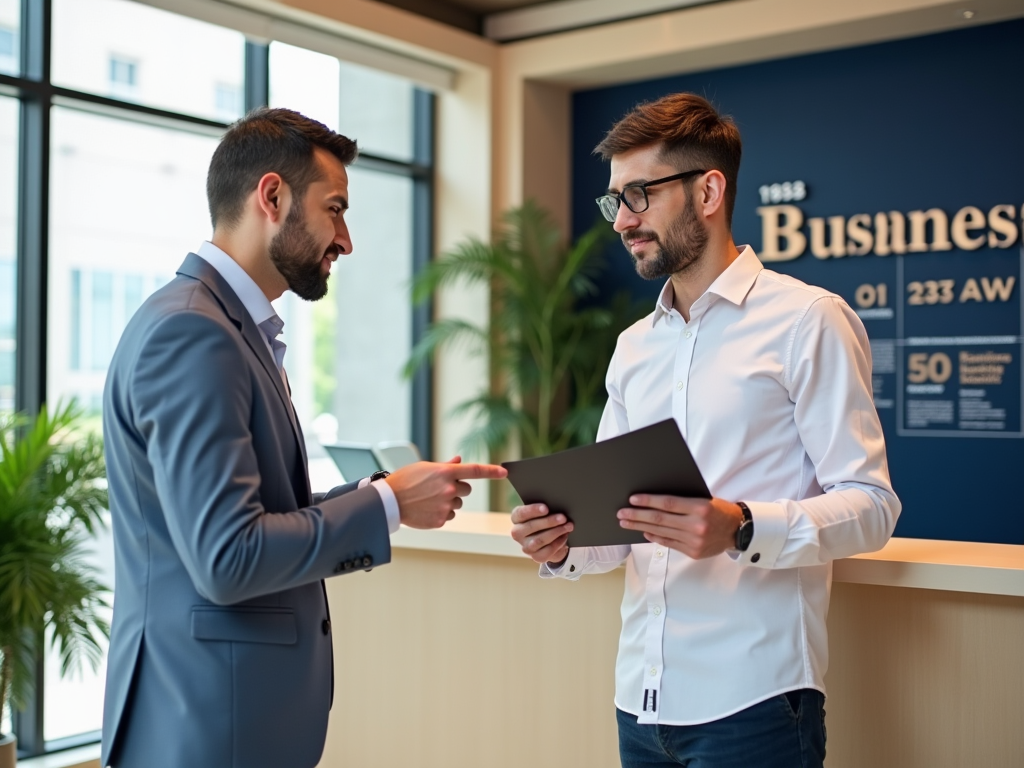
x=457 y=655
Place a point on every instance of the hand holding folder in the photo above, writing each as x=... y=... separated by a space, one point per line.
x=589 y=485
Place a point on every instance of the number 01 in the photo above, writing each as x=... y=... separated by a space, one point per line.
x=868 y=295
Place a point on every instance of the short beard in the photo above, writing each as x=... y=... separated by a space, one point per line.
x=685 y=243
x=297 y=256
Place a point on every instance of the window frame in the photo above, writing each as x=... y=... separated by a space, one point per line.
x=36 y=94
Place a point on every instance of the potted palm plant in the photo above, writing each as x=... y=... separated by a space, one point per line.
x=52 y=498
x=548 y=342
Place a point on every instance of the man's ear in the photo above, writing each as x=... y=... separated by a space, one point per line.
x=272 y=197
x=711 y=193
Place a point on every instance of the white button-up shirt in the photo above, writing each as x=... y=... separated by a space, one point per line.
x=270 y=324
x=770 y=384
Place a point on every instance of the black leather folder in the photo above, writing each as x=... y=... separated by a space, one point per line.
x=592 y=483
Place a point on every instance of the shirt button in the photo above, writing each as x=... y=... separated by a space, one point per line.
x=657 y=610
x=325 y=626
x=659 y=553
x=755 y=557
x=687 y=334
x=654 y=671
x=679 y=385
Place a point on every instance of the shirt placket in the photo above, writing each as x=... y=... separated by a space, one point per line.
x=657 y=572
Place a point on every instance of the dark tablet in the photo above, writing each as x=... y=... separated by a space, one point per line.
x=592 y=483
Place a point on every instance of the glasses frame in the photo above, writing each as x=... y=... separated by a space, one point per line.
x=610 y=214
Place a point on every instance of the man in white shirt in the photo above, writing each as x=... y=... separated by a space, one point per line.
x=221 y=645
x=723 y=648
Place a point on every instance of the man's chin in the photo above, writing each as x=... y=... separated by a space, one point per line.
x=648 y=268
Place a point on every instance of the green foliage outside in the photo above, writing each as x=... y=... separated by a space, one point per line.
x=52 y=498
x=548 y=350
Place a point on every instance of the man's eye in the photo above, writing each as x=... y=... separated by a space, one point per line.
x=335 y=210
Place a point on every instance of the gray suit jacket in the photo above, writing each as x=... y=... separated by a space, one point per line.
x=220 y=652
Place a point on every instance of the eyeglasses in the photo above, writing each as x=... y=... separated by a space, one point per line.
x=635 y=195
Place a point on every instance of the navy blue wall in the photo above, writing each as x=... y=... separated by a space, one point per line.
x=935 y=121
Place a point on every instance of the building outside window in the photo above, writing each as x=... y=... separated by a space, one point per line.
x=124 y=76
x=127 y=202
x=228 y=102
x=8 y=50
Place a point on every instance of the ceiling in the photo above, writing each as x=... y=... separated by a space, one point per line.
x=465 y=14
x=506 y=20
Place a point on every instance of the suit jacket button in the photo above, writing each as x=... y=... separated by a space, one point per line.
x=367 y=561
x=326 y=626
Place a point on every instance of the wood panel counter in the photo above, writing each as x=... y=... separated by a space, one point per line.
x=457 y=654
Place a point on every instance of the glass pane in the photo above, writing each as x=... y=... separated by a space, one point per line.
x=346 y=352
x=104 y=261
x=8 y=245
x=376 y=110
x=371 y=107
x=10 y=37
x=136 y=53
x=304 y=81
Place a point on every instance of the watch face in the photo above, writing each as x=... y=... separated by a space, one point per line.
x=744 y=535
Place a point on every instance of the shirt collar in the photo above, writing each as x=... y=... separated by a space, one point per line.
x=250 y=294
x=732 y=285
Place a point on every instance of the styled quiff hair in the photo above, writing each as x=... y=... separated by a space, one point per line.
x=692 y=135
x=268 y=141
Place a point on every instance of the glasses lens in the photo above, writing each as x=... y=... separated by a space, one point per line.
x=635 y=198
x=609 y=206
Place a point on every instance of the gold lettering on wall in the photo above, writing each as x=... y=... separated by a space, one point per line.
x=858 y=230
x=1000 y=221
x=782 y=237
x=968 y=219
x=837 y=227
x=778 y=222
x=919 y=227
x=897 y=225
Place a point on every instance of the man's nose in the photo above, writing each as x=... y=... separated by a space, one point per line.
x=342 y=238
x=625 y=219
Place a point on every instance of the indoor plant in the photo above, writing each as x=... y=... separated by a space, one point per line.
x=549 y=347
x=52 y=498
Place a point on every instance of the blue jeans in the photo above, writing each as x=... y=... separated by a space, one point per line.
x=785 y=731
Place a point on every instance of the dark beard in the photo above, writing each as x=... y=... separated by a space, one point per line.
x=297 y=256
x=685 y=243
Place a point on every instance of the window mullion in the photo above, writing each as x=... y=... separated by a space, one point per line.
x=422 y=254
x=33 y=236
x=257 y=75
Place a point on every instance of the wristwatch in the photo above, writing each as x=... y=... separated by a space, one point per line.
x=745 y=532
x=380 y=474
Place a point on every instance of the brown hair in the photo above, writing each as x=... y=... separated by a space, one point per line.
x=691 y=132
x=268 y=141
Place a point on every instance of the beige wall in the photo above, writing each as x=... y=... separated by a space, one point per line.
x=688 y=40
x=461 y=661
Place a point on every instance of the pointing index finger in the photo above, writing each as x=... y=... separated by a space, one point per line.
x=478 y=471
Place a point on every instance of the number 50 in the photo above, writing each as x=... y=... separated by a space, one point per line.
x=936 y=368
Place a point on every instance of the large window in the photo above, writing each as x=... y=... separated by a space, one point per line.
x=8 y=243
x=129 y=51
x=102 y=194
x=346 y=353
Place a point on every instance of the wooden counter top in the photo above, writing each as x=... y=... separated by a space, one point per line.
x=957 y=566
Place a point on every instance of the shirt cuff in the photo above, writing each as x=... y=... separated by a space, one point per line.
x=771 y=529
x=388 y=499
x=571 y=569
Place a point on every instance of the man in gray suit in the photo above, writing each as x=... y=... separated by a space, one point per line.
x=220 y=653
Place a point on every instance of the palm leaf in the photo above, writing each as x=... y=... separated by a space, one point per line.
x=450 y=332
x=52 y=500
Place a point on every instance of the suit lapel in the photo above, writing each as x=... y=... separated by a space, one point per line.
x=198 y=268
